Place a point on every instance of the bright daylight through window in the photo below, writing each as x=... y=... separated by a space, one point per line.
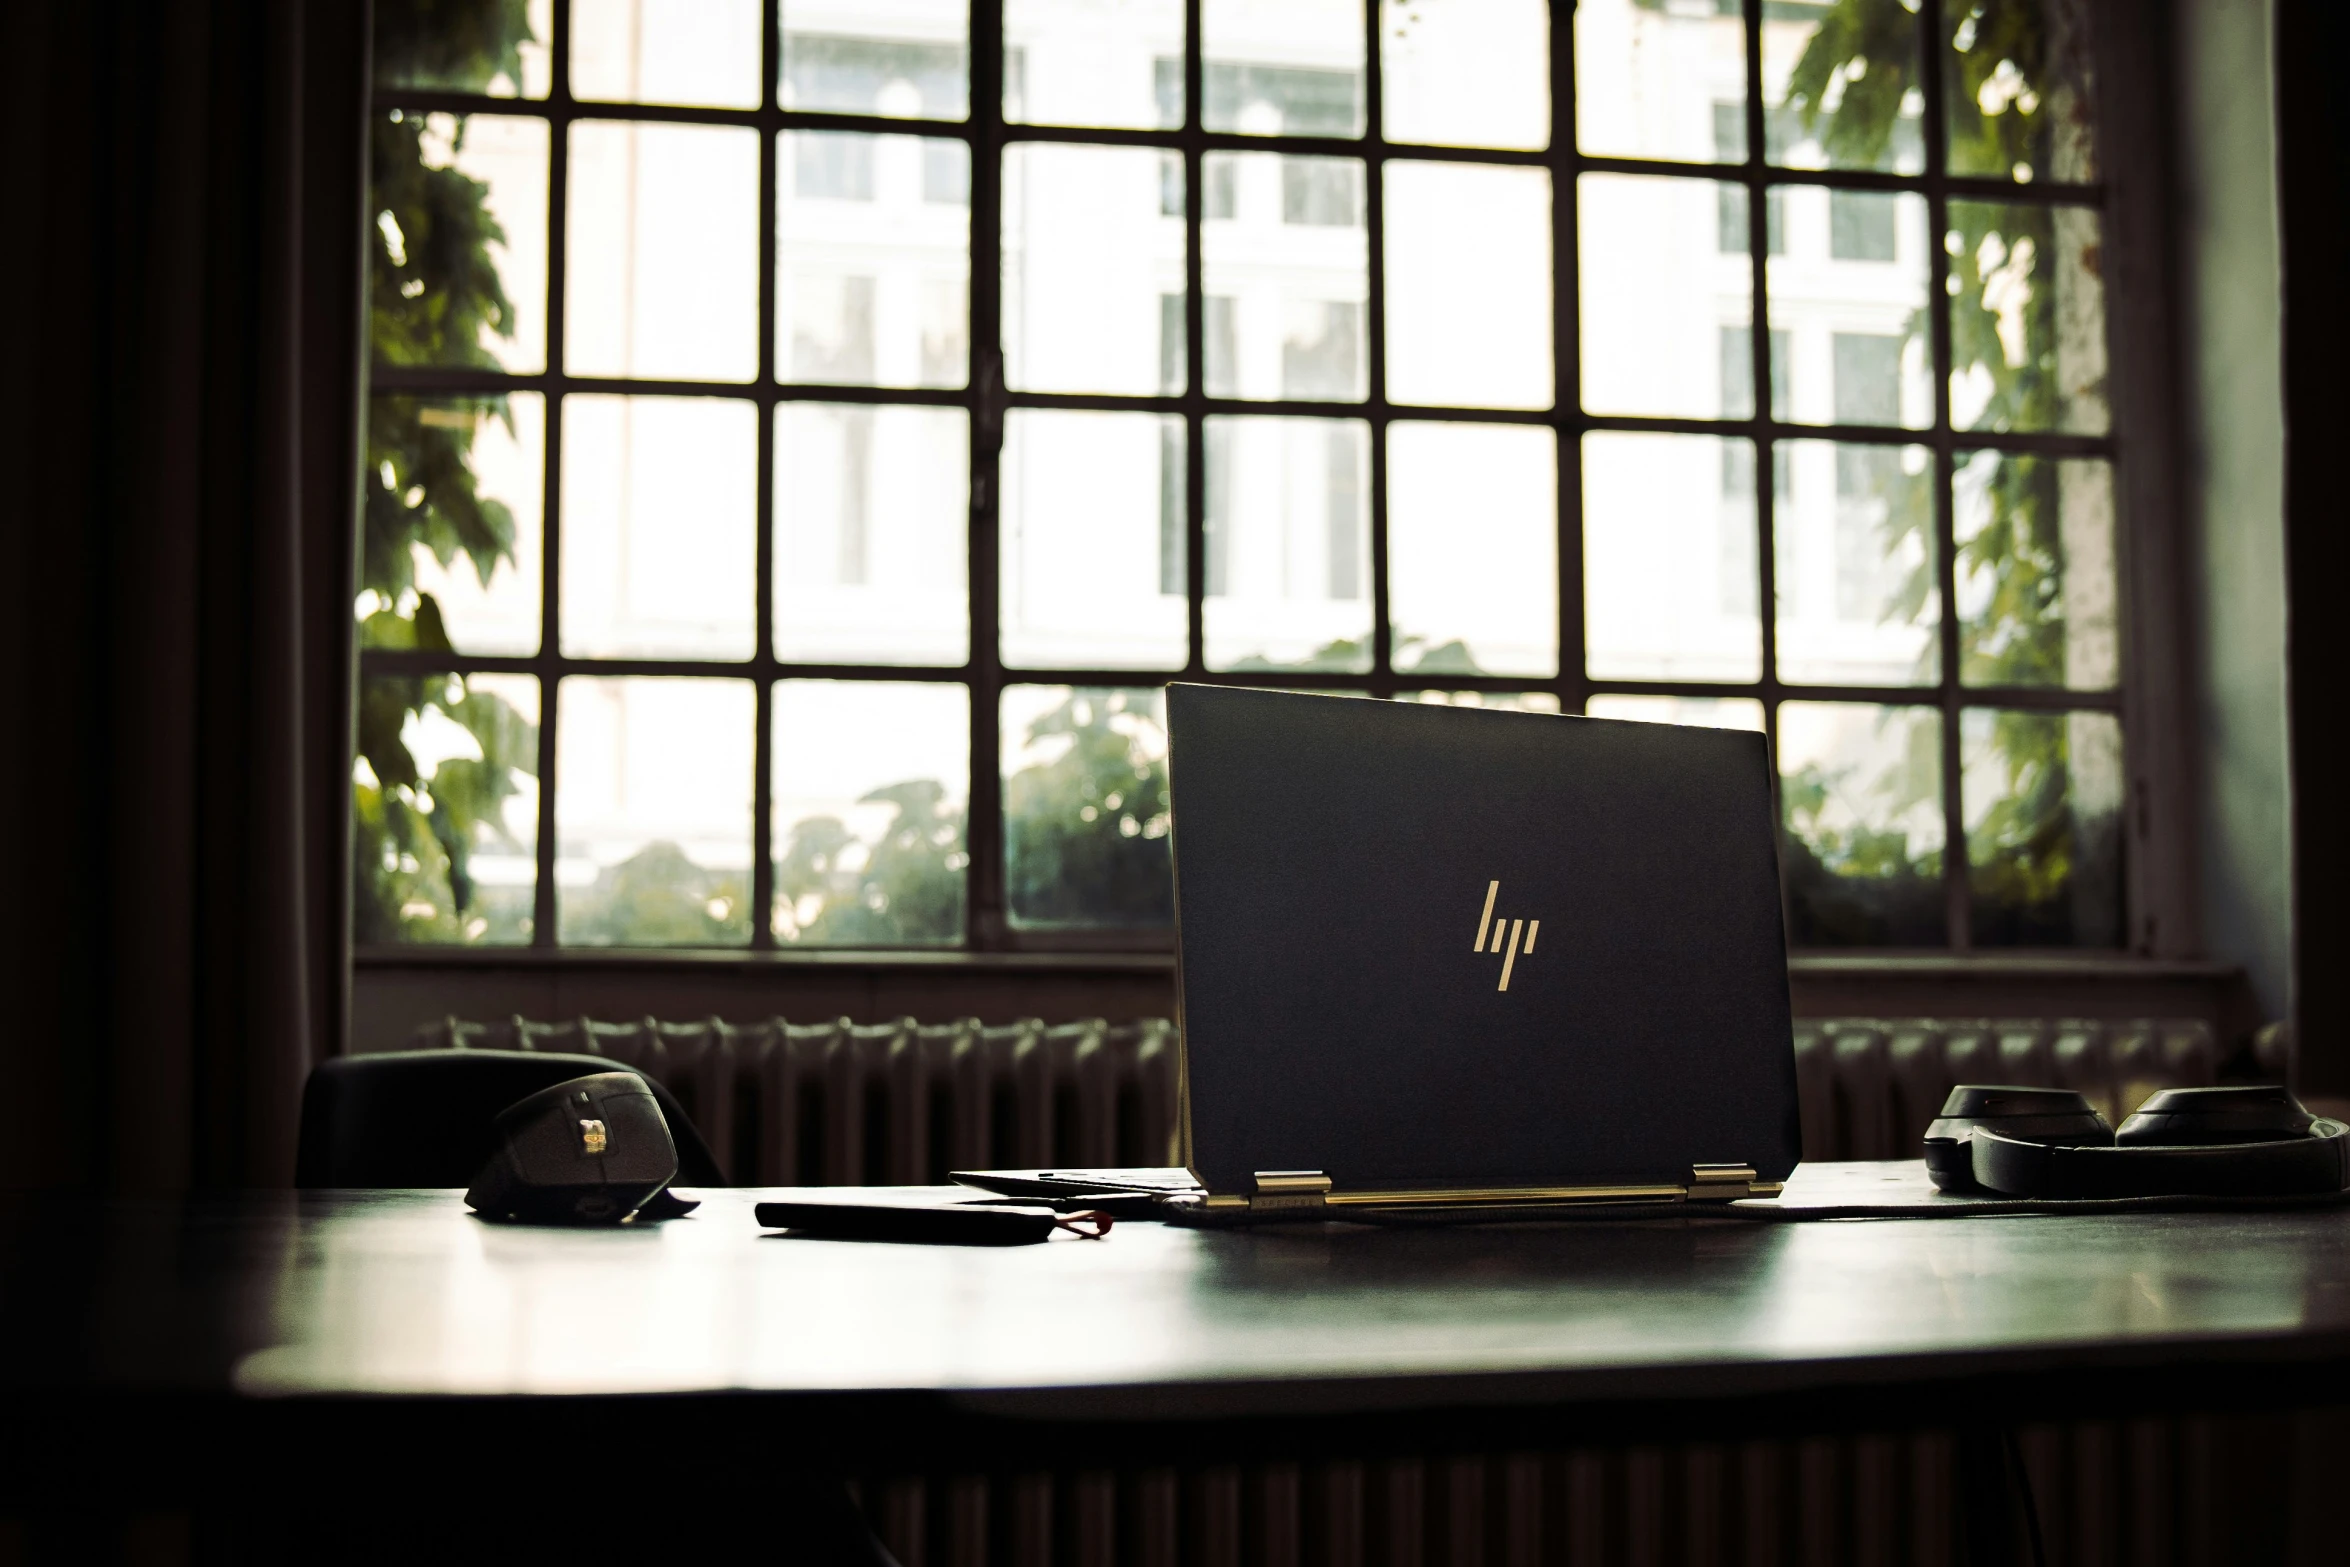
x=802 y=440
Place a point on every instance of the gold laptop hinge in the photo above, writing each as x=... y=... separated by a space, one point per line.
x=1290 y=1191
x=1727 y=1183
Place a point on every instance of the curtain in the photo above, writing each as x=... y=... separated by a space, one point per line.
x=181 y=367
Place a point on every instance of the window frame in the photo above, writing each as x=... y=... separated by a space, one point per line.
x=2129 y=199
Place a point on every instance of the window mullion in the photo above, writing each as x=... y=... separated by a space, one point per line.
x=1956 y=893
x=1195 y=457
x=983 y=815
x=544 y=912
x=1566 y=321
x=1375 y=348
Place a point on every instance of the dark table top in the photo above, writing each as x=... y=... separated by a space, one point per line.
x=273 y=1300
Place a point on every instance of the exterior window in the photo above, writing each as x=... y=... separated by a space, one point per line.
x=801 y=444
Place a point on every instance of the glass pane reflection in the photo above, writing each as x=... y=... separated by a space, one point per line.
x=1704 y=712
x=664 y=251
x=2037 y=591
x=445 y=809
x=660 y=526
x=1654 y=81
x=1842 y=84
x=452 y=513
x=910 y=62
x=2042 y=794
x=1094 y=560
x=1472 y=541
x=2018 y=85
x=871 y=508
x=2027 y=318
x=653 y=822
x=1667 y=298
x=1286 y=269
x=1094 y=62
x=413 y=48
x=1860 y=789
x=1669 y=576
x=1468 y=286
x=1282 y=67
x=1085 y=808
x=1288 y=544
x=868 y=831
x=427 y=304
x=872 y=259
x=1474 y=75
x=1093 y=268
x=1858 y=603
x=666 y=51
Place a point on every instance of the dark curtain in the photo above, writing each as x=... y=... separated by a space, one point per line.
x=2313 y=212
x=178 y=452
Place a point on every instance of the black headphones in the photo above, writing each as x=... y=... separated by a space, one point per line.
x=2183 y=1142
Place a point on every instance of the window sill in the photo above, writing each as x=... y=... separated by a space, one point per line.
x=1967 y=968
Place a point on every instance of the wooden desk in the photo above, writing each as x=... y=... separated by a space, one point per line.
x=333 y=1319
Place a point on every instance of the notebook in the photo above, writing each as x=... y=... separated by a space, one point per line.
x=1445 y=958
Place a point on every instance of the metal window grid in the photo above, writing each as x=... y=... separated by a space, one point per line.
x=986 y=400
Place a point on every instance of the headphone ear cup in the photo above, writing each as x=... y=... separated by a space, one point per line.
x=2314 y=1164
x=2207 y=1117
x=2039 y=1115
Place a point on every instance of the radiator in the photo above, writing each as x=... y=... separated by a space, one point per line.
x=842 y=1103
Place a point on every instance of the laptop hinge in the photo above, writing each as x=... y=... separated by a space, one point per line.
x=1290 y=1191
x=1726 y=1183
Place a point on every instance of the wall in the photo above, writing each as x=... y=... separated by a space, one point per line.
x=2232 y=478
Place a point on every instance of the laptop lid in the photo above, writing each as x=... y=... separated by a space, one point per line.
x=1427 y=947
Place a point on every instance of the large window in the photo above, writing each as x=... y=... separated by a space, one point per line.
x=803 y=440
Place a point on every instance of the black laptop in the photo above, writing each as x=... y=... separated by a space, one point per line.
x=1441 y=958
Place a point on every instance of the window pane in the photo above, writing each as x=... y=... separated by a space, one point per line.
x=1861 y=789
x=1704 y=712
x=1474 y=75
x=1843 y=88
x=445 y=809
x=415 y=47
x=1472 y=548
x=1858 y=601
x=1662 y=300
x=1468 y=286
x=653 y=822
x=1282 y=67
x=2037 y=592
x=1669 y=577
x=2043 y=799
x=873 y=259
x=666 y=51
x=1286 y=269
x=1848 y=310
x=870 y=511
x=453 y=517
x=664 y=252
x=1085 y=808
x=2027 y=319
x=1094 y=62
x=1093 y=541
x=1491 y=701
x=2018 y=85
x=660 y=526
x=1656 y=81
x=1289 y=544
x=910 y=62
x=438 y=175
x=1092 y=252
x=870 y=780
